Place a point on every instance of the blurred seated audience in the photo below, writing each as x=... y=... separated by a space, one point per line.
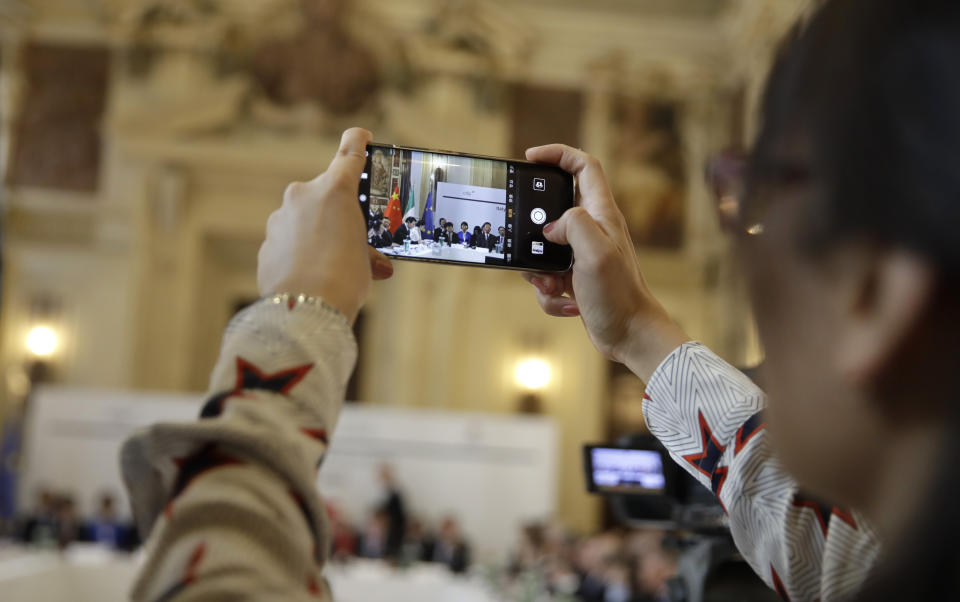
x=451 y=549
x=417 y=543
x=343 y=538
x=69 y=528
x=40 y=526
x=373 y=540
x=104 y=528
x=55 y=522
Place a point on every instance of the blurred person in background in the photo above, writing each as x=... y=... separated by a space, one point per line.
x=655 y=566
x=593 y=560
x=450 y=548
x=618 y=577
x=393 y=508
x=343 y=538
x=373 y=540
x=40 y=525
x=104 y=528
x=417 y=543
x=68 y=525
x=531 y=549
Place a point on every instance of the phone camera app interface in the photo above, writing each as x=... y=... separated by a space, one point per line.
x=436 y=206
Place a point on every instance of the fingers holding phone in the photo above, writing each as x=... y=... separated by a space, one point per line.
x=316 y=241
x=605 y=286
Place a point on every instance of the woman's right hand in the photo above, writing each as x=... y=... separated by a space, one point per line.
x=605 y=287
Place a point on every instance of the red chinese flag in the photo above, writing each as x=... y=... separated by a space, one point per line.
x=394 y=212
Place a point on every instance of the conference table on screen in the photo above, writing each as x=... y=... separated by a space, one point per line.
x=89 y=573
x=456 y=252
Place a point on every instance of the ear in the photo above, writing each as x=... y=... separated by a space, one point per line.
x=890 y=294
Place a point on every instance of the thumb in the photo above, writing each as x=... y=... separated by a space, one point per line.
x=351 y=157
x=576 y=228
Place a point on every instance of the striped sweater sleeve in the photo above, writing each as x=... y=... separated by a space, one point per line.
x=230 y=501
x=709 y=416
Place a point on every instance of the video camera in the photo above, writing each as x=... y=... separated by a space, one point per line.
x=648 y=490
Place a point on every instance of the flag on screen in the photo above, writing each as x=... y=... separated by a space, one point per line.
x=410 y=210
x=393 y=210
x=428 y=216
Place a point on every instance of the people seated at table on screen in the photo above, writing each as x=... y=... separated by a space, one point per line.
x=381 y=236
x=481 y=238
x=449 y=236
x=408 y=229
x=424 y=233
x=440 y=229
x=501 y=239
x=463 y=237
x=484 y=239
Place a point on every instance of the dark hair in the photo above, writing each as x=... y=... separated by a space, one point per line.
x=448 y=225
x=465 y=224
x=410 y=219
x=487 y=224
x=870 y=90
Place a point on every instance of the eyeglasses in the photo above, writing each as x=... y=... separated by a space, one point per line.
x=726 y=176
x=742 y=211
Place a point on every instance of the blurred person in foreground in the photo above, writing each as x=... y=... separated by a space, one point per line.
x=847 y=235
x=848 y=238
x=230 y=501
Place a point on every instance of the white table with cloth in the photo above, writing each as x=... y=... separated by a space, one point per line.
x=89 y=573
x=431 y=250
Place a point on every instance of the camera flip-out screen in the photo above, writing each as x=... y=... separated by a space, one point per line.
x=620 y=470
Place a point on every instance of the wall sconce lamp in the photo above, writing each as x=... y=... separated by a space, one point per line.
x=532 y=373
x=42 y=341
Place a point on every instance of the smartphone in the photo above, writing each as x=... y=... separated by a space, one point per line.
x=446 y=207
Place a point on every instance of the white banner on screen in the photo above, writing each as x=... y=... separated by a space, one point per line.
x=472 y=204
x=493 y=472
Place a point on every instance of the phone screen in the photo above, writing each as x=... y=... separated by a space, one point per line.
x=463 y=209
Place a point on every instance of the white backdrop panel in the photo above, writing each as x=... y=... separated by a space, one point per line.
x=472 y=204
x=491 y=471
